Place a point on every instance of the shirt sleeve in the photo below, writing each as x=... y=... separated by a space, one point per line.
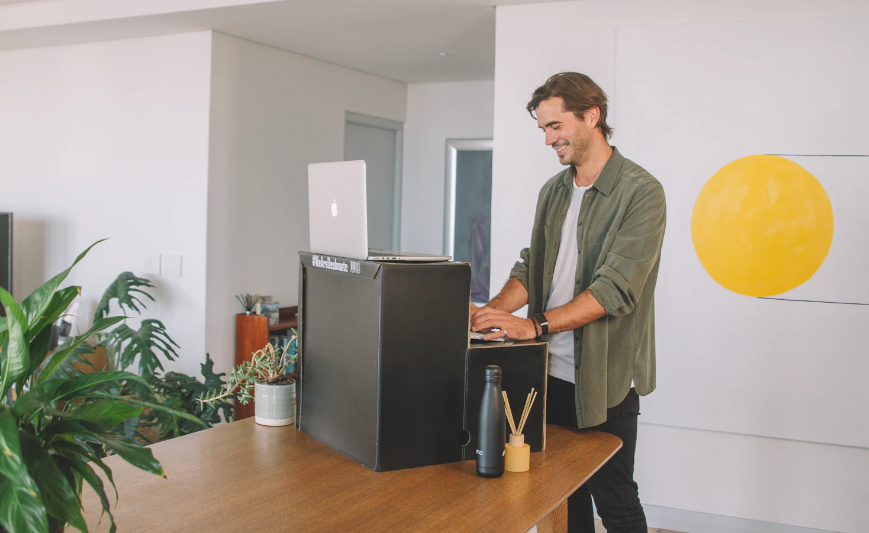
x=520 y=269
x=635 y=250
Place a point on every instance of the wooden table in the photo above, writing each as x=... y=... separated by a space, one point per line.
x=245 y=477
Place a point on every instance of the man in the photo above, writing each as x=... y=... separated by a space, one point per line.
x=589 y=281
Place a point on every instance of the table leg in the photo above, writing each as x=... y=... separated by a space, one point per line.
x=554 y=522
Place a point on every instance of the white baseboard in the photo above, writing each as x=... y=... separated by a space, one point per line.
x=694 y=522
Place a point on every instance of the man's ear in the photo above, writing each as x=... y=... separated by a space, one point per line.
x=592 y=117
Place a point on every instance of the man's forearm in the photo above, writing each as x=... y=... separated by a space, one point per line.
x=512 y=297
x=576 y=313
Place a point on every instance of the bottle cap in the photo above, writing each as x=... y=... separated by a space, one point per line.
x=493 y=373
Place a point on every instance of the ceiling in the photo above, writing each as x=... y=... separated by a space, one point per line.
x=415 y=41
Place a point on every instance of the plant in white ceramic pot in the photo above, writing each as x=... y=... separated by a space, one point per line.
x=263 y=380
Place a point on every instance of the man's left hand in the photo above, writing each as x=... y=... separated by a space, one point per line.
x=511 y=326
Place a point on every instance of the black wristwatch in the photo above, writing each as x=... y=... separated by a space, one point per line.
x=544 y=324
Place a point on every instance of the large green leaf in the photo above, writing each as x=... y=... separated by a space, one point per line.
x=155 y=406
x=37 y=303
x=11 y=464
x=144 y=343
x=33 y=400
x=58 y=496
x=76 y=360
x=38 y=350
x=109 y=413
x=65 y=389
x=21 y=509
x=124 y=289
x=87 y=473
x=15 y=357
x=80 y=386
x=127 y=448
x=73 y=428
x=59 y=303
x=59 y=357
x=71 y=449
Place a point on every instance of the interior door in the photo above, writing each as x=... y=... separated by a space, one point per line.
x=377 y=146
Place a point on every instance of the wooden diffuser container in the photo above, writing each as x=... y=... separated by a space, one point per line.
x=517 y=454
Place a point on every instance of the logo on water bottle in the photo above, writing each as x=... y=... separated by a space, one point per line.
x=479 y=452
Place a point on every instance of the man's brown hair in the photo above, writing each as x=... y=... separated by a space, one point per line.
x=579 y=93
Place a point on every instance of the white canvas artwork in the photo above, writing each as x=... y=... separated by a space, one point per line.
x=785 y=368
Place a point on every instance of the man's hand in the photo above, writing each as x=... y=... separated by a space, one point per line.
x=512 y=327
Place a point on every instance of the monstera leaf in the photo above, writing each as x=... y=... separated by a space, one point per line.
x=144 y=344
x=180 y=392
x=124 y=289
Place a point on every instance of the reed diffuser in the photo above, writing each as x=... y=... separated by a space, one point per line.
x=517 y=454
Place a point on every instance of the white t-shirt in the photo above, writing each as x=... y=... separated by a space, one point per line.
x=561 y=361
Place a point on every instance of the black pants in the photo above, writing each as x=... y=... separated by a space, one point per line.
x=615 y=493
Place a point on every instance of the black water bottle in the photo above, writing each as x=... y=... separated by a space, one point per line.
x=492 y=429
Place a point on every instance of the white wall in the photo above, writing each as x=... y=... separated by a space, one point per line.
x=273 y=112
x=110 y=140
x=710 y=469
x=437 y=112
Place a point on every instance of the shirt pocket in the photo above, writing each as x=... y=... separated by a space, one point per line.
x=598 y=246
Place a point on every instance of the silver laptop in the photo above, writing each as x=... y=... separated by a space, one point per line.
x=338 y=211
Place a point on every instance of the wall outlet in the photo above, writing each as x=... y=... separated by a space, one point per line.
x=152 y=265
x=170 y=266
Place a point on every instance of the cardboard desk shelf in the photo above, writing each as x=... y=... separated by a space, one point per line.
x=385 y=365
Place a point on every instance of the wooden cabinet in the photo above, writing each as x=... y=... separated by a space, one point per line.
x=251 y=334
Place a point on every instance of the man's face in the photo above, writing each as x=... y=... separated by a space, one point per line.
x=568 y=135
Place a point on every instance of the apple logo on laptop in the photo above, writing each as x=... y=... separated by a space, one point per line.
x=335 y=207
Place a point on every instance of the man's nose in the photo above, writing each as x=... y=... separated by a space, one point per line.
x=550 y=138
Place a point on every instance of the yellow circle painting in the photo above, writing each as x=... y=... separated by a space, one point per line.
x=762 y=225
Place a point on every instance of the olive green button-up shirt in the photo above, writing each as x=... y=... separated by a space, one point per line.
x=619 y=235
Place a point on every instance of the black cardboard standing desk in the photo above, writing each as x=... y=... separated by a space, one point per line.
x=382 y=347
x=386 y=373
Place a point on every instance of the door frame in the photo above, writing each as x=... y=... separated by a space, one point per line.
x=398 y=127
x=452 y=147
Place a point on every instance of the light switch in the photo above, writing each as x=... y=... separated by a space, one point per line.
x=152 y=265
x=170 y=266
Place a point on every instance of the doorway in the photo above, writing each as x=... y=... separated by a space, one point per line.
x=468 y=209
x=377 y=141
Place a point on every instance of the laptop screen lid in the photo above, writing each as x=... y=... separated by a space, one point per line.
x=337 y=209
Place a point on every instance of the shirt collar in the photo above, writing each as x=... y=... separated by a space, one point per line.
x=608 y=176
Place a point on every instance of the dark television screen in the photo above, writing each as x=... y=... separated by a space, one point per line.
x=6 y=251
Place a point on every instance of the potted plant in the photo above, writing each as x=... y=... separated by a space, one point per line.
x=275 y=393
x=121 y=347
x=54 y=428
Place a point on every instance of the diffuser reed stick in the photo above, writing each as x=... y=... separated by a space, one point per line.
x=509 y=413
x=531 y=397
x=529 y=401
